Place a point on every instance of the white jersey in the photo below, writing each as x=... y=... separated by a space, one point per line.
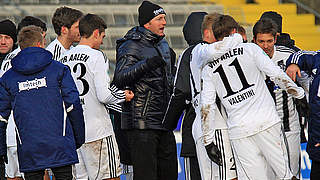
x=237 y=77
x=5 y=66
x=89 y=69
x=200 y=56
x=284 y=102
x=57 y=50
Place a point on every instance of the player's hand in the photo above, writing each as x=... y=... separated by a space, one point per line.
x=129 y=95
x=302 y=107
x=292 y=71
x=214 y=153
x=317 y=145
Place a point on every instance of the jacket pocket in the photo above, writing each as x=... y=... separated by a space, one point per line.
x=146 y=104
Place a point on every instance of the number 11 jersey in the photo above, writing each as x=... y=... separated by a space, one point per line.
x=237 y=77
x=89 y=69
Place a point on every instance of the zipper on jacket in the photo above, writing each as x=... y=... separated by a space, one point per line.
x=146 y=104
x=18 y=135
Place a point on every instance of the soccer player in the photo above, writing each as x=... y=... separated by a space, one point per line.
x=115 y=111
x=99 y=156
x=255 y=131
x=12 y=168
x=190 y=65
x=265 y=36
x=38 y=99
x=308 y=61
x=65 y=22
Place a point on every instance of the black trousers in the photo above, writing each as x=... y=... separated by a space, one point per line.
x=60 y=173
x=315 y=170
x=153 y=154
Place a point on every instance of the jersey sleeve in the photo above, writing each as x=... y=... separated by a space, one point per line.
x=276 y=74
x=208 y=106
x=117 y=93
x=102 y=81
x=306 y=60
x=208 y=52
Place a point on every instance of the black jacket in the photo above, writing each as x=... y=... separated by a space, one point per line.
x=182 y=87
x=150 y=85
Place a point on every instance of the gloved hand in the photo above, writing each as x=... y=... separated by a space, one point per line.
x=156 y=62
x=302 y=107
x=214 y=153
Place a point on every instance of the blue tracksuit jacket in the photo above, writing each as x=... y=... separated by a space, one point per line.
x=35 y=88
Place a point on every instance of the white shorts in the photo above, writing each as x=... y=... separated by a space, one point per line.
x=99 y=159
x=210 y=170
x=12 y=168
x=254 y=155
x=293 y=139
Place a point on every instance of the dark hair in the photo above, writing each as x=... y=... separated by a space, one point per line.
x=65 y=16
x=89 y=23
x=30 y=20
x=265 y=26
x=223 y=26
x=277 y=18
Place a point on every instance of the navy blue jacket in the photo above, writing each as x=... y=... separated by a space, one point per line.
x=309 y=62
x=35 y=88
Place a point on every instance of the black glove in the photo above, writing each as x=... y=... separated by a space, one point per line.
x=302 y=107
x=214 y=153
x=3 y=159
x=156 y=62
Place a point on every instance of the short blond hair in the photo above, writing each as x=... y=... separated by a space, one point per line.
x=208 y=21
x=29 y=36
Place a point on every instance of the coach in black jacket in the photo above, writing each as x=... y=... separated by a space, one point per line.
x=143 y=67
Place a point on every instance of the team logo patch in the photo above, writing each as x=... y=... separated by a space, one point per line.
x=33 y=84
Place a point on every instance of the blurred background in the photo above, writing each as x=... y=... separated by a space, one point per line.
x=301 y=19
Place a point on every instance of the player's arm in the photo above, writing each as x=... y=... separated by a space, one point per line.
x=5 y=110
x=129 y=69
x=265 y=64
x=101 y=81
x=208 y=115
x=207 y=52
x=181 y=94
x=73 y=107
x=302 y=60
x=208 y=106
x=121 y=95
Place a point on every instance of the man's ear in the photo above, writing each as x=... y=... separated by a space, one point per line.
x=275 y=38
x=96 y=33
x=64 y=30
x=146 y=25
x=205 y=33
x=233 y=31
